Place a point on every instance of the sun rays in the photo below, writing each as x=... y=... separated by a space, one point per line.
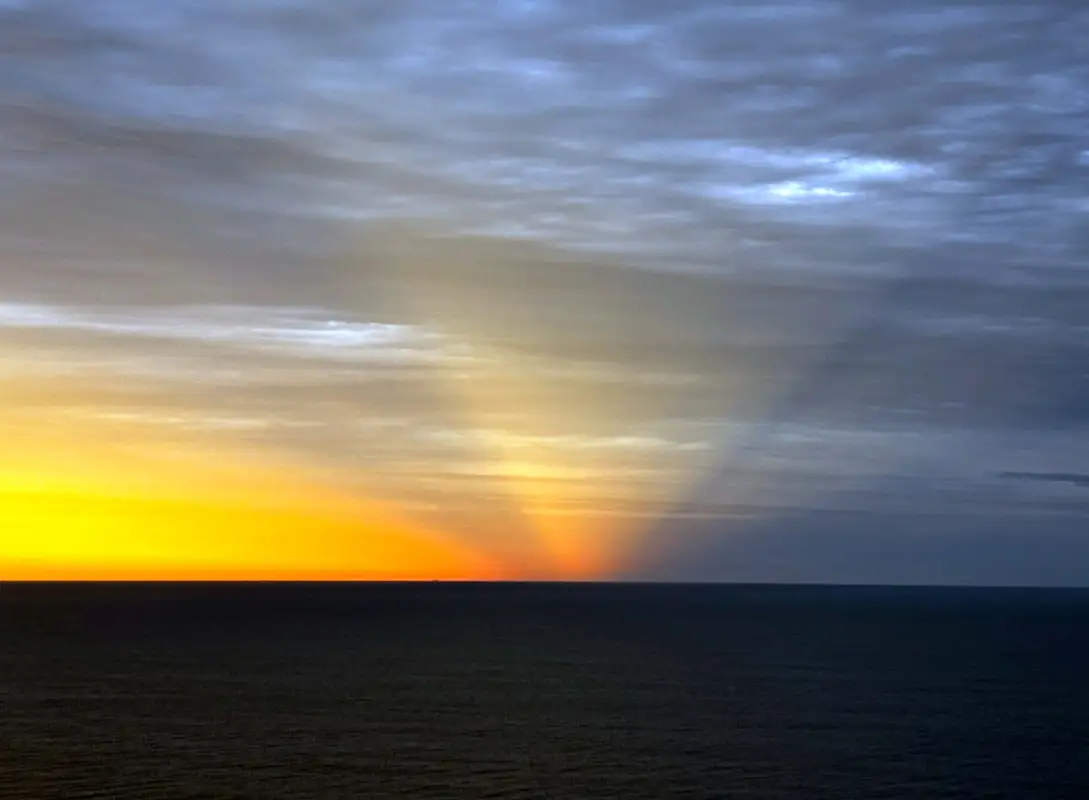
x=473 y=444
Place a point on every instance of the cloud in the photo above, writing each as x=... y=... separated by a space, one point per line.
x=1081 y=480
x=302 y=332
x=842 y=233
x=578 y=122
x=867 y=547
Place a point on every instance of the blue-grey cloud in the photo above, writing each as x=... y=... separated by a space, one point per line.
x=1081 y=480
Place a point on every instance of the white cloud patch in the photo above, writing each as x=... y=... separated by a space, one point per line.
x=303 y=332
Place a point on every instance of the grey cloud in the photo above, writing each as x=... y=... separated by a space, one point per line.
x=1081 y=480
x=879 y=547
x=521 y=112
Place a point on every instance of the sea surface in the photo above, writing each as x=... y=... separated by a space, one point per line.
x=541 y=691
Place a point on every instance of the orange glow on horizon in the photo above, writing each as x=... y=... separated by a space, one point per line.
x=51 y=536
x=83 y=537
x=82 y=510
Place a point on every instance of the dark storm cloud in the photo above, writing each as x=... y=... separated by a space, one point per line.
x=859 y=224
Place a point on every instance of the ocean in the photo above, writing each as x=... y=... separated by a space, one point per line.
x=541 y=691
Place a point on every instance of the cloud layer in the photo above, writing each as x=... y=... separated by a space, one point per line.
x=674 y=260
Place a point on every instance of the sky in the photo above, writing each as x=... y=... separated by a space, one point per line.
x=686 y=290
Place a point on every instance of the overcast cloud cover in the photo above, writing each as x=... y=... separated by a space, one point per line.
x=802 y=286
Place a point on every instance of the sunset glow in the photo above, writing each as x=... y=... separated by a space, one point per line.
x=179 y=513
x=540 y=291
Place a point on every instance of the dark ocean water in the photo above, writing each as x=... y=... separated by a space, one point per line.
x=542 y=691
